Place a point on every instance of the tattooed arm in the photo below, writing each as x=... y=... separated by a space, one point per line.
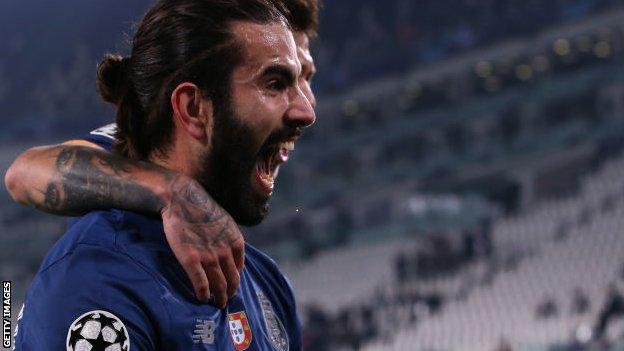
x=73 y=180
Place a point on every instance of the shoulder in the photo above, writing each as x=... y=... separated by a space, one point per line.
x=115 y=229
x=261 y=260
x=261 y=264
x=105 y=247
x=97 y=228
x=92 y=281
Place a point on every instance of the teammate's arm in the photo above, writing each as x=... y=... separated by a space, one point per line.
x=71 y=179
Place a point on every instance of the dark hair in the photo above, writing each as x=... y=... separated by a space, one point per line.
x=176 y=41
x=303 y=15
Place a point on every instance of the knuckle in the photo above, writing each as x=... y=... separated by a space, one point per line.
x=202 y=290
x=233 y=278
x=238 y=237
x=210 y=262
x=190 y=258
x=234 y=283
x=201 y=285
x=240 y=245
x=219 y=288
x=223 y=251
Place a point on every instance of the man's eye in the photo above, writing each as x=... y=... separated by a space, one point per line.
x=309 y=77
x=276 y=85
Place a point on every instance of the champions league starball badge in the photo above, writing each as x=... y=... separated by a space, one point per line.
x=97 y=331
x=274 y=327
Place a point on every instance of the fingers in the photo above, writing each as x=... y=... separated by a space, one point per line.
x=195 y=271
x=218 y=284
x=238 y=252
x=231 y=275
x=212 y=254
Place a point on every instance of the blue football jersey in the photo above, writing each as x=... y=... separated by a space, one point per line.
x=112 y=283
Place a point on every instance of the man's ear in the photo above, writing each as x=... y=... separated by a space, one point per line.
x=191 y=112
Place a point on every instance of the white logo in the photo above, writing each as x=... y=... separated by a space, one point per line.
x=108 y=131
x=98 y=331
x=204 y=331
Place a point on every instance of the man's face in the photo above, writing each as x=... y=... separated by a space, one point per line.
x=270 y=104
x=308 y=69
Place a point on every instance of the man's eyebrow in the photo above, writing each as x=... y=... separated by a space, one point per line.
x=280 y=70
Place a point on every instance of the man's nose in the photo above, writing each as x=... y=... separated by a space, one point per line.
x=307 y=92
x=300 y=112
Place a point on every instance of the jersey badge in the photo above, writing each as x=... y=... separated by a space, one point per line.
x=98 y=331
x=240 y=330
x=274 y=327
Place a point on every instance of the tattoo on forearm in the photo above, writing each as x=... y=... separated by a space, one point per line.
x=63 y=159
x=89 y=179
x=51 y=199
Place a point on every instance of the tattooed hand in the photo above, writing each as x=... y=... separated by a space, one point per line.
x=205 y=239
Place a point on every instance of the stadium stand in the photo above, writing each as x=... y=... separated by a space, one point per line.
x=590 y=257
x=567 y=245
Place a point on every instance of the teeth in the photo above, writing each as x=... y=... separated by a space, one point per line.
x=267 y=178
x=288 y=145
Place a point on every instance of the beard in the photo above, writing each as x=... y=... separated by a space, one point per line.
x=227 y=168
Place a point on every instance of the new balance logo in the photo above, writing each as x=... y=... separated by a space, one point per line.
x=204 y=332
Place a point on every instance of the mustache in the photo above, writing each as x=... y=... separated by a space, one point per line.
x=284 y=134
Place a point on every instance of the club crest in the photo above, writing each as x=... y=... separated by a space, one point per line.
x=240 y=331
x=274 y=327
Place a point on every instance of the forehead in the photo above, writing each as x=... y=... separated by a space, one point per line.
x=266 y=44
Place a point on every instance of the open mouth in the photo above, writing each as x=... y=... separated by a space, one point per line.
x=268 y=163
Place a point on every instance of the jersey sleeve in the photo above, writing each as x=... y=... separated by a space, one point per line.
x=92 y=295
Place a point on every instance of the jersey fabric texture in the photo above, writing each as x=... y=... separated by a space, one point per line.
x=119 y=262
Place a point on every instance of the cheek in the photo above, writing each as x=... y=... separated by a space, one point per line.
x=263 y=111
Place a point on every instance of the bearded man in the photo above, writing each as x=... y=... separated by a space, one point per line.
x=210 y=250
x=211 y=98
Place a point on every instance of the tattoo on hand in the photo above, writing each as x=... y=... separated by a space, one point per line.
x=199 y=211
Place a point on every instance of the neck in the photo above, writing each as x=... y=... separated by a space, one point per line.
x=179 y=157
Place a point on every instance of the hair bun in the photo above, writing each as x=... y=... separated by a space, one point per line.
x=112 y=78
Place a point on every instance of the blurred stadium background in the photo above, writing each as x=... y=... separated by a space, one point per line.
x=462 y=189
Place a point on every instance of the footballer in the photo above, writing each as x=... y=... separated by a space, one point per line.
x=211 y=98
